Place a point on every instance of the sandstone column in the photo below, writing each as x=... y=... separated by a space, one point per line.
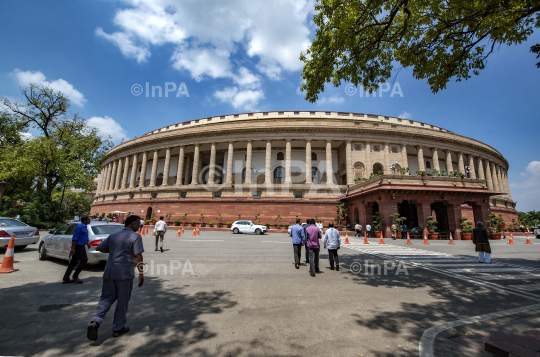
x=386 y=160
x=288 y=163
x=189 y=159
x=248 y=162
x=471 y=166
x=166 y=167
x=309 y=164
x=268 y=164
x=142 y=178
x=125 y=176
x=118 y=174
x=461 y=164
x=496 y=186
x=102 y=178
x=230 y=163
x=348 y=164
x=488 y=177
x=420 y=153
x=133 y=172
x=369 y=166
x=404 y=159
x=507 y=184
x=435 y=159
x=481 y=174
x=154 y=168
x=113 y=175
x=449 y=165
x=212 y=168
x=195 y=172
x=180 y=170
x=329 y=168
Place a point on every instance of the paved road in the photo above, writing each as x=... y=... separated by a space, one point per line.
x=239 y=295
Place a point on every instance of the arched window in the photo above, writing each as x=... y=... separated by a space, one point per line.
x=428 y=165
x=280 y=156
x=313 y=156
x=315 y=175
x=358 y=169
x=378 y=168
x=244 y=175
x=159 y=179
x=279 y=175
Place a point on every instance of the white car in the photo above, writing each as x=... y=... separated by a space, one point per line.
x=248 y=227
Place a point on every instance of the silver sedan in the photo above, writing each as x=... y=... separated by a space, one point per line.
x=58 y=243
x=24 y=234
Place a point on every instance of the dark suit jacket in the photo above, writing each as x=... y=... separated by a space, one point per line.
x=480 y=235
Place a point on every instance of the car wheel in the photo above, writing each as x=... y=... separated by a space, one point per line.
x=258 y=231
x=42 y=252
x=236 y=231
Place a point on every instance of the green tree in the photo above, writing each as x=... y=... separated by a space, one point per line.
x=360 y=41
x=72 y=202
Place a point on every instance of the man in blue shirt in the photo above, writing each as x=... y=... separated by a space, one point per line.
x=298 y=235
x=77 y=254
x=125 y=250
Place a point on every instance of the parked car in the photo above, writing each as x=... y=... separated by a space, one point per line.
x=58 y=243
x=414 y=230
x=248 y=227
x=304 y=225
x=24 y=234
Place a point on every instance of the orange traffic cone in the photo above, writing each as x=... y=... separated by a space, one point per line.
x=365 y=238
x=347 y=238
x=408 y=239
x=528 y=240
x=178 y=234
x=153 y=233
x=147 y=228
x=425 y=240
x=451 y=239
x=7 y=262
x=511 y=239
x=194 y=232
x=198 y=230
x=182 y=229
x=382 y=240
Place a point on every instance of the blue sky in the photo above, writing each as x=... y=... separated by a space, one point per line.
x=240 y=56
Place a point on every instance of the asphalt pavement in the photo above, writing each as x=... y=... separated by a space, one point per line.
x=220 y=294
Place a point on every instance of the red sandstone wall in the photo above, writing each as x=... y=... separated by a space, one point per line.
x=229 y=210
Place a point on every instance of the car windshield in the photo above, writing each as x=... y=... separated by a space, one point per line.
x=106 y=228
x=10 y=223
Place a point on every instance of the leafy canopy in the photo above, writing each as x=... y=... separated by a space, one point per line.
x=360 y=41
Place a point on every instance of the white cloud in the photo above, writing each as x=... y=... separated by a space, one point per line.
x=335 y=99
x=405 y=115
x=205 y=35
x=526 y=193
x=107 y=126
x=240 y=99
x=27 y=77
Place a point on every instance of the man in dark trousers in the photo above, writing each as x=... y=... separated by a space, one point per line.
x=125 y=250
x=77 y=254
x=297 y=235
x=480 y=237
x=314 y=234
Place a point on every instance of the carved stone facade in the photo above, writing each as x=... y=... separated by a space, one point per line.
x=287 y=163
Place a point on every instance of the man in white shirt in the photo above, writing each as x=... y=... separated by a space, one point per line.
x=368 y=230
x=159 y=229
x=320 y=226
x=332 y=243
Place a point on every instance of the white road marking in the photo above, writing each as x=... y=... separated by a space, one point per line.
x=526 y=287
x=509 y=277
x=425 y=346
x=269 y=241
x=200 y=240
x=486 y=270
x=468 y=264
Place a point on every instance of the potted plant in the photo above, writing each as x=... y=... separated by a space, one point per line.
x=421 y=173
x=147 y=221
x=403 y=170
x=193 y=223
x=267 y=226
x=201 y=220
x=211 y=224
x=185 y=219
x=287 y=226
x=432 y=226
x=176 y=222
x=229 y=224
x=378 y=224
x=219 y=220
x=258 y=218
x=278 y=221
x=168 y=218
x=153 y=218
x=466 y=228
x=435 y=172
x=495 y=225
x=239 y=217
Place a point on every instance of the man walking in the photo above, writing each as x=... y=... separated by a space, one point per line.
x=368 y=230
x=297 y=234
x=480 y=237
x=314 y=234
x=160 y=229
x=125 y=250
x=357 y=229
x=77 y=254
x=305 y=240
x=332 y=242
